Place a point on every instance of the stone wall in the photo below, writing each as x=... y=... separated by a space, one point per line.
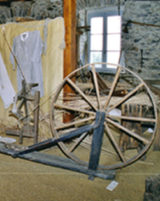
x=152 y=188
x=86 y=4
x=36 y=9
x=141 y=37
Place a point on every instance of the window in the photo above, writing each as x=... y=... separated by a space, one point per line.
x=104 y=38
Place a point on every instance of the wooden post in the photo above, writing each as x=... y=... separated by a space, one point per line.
x=70 y=49
x=70 y=36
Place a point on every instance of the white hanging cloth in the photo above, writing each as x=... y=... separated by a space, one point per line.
x=27 y=48
x=7 y=92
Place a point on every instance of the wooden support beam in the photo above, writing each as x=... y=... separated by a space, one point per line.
x=69 y=13
x=70 y=36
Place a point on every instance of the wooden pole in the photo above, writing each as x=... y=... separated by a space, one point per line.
x=69 y=13
x=70 y=36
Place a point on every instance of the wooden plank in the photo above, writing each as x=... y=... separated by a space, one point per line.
x=18 y=132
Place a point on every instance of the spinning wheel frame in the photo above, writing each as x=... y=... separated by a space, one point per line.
x=90 y=110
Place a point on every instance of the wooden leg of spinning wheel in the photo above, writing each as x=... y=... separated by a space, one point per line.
x=36 y=115
x=96 y=144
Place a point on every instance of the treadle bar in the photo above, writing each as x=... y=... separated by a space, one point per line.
x=60 y=162
x=68 y=136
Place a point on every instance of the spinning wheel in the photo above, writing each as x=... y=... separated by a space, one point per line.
x=83 y=93
x=28 y=125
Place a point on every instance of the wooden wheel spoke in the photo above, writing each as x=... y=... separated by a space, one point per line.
x=96 y=86
x=128 y=118
x=130 y=133
x=116 y=147
x=127 y=96
x=113 y=87
x=65 y=107
x=78 y=141
x=81 y=93
x=75 y=123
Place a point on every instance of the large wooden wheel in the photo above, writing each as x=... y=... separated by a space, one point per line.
x=130 y=114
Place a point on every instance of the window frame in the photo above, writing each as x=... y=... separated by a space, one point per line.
x=105 y=12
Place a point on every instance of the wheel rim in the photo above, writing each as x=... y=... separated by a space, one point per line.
x=90 y=92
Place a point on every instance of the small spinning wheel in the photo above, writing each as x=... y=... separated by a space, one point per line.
x=28 y=125
x=83 y=93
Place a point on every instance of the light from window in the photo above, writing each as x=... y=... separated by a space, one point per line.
x=105 y=39
x=96 y=48
x=113 y=39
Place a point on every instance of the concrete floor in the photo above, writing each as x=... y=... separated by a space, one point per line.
x=22 y=180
